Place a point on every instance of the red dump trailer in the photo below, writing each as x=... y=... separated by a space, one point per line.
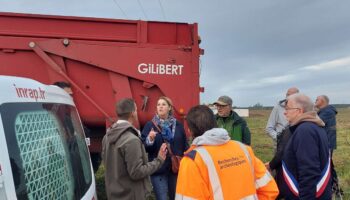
x=105 y=60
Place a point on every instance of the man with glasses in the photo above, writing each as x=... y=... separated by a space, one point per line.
x=277 y=129
x=228 y=119
x=306 y=158
x=277 y=121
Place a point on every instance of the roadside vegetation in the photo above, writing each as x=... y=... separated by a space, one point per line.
x=262 y=145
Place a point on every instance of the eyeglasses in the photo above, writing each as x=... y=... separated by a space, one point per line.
x=220 y=106
x=289 y=108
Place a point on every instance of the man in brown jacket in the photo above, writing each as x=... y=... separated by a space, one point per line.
x=127 y=168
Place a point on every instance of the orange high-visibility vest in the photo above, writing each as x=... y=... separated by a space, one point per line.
x=228 y=171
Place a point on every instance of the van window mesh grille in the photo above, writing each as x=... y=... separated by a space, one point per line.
x=46 y=170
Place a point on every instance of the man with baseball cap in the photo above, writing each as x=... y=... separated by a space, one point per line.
x=228 y=119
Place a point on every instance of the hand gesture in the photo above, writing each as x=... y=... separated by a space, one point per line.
x=152 y=134
x=162 y=152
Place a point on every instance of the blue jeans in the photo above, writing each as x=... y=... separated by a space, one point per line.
x=164 y=185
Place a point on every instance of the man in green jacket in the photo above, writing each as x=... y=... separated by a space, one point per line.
x=228 y=119
x=127 y=169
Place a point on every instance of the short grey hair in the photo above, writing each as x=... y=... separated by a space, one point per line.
x=292 y=90
x=125 y=107
x=302 y=101
x=325 y=97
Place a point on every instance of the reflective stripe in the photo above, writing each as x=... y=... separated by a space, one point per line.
x=213 y=175
x=182 y=197
x=250 y=197
x=245 y=150
x=261 y=182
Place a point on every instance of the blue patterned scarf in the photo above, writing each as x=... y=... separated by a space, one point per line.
x=167 y=127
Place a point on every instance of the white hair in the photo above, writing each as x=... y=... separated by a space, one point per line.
x=302 y=101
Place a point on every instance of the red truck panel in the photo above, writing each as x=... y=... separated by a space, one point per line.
x=105 y=60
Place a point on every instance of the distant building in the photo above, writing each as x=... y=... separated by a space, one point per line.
x=242 y=112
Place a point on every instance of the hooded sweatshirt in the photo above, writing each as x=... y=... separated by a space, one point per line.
x=215 y=167
x=213 y=137
x=306 y=160
x=127 y=167
x=277 y=122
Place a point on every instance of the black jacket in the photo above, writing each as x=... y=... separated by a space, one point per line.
x=282 y=139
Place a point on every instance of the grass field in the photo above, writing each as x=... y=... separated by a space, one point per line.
x=262 y=146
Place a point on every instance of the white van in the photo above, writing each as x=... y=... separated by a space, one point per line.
x=43 y=153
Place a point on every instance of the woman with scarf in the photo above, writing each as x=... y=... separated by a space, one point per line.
x=164 y=128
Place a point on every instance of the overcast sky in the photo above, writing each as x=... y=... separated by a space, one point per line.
x=254 y=50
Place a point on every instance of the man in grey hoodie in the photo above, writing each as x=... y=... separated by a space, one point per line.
x=277 y=121
x=127 y=169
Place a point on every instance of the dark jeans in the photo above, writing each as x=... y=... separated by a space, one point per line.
x=164 y=185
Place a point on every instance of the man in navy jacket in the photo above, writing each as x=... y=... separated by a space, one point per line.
x=327 y=113
x=306 y=159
